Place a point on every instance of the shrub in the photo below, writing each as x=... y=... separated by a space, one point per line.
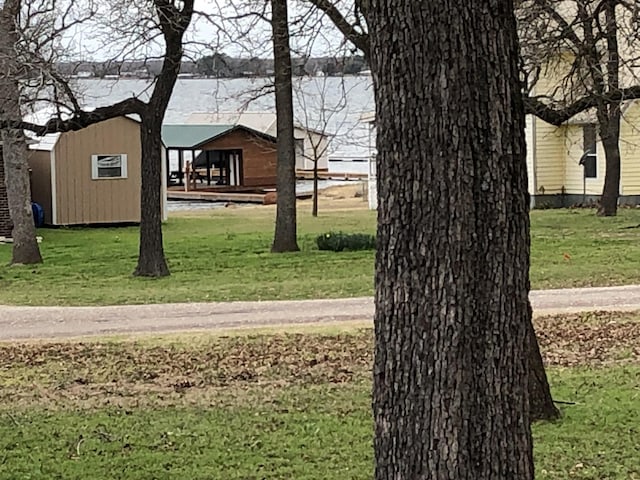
x=339 y=241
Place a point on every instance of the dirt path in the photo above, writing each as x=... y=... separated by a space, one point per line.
x=66 y=322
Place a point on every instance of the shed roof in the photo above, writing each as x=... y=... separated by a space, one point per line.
x=48 y=141
x=188 y=136
x=191 y=136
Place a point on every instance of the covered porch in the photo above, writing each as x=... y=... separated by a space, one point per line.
x=214 y=157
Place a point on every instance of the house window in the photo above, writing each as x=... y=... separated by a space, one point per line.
x=108 y=166
x=299 y=142
x=589 y=159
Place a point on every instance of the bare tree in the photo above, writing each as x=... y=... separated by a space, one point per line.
x=14 y=146
x=322 y=115
x=285 y=238
x=30 y=32
x=572 y=47
x=156 y=22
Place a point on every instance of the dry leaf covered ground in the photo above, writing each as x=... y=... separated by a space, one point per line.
x=281 y=405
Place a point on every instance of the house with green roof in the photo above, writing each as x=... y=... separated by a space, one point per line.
x=220 y=155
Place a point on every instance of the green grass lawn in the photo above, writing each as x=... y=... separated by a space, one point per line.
x=281 y=405
x=224 y=255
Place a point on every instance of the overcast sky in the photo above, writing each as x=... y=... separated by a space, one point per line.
x=212 y=29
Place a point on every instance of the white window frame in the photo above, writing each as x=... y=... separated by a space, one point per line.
x=94 y=166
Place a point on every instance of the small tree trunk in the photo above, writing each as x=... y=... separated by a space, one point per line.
x=314 y=210
x=285 y=238
x=25 y=245
x=610 y=135
x=151 y=260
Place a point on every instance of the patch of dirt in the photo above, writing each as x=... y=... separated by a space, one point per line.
x=342 y=197
x=224 y=369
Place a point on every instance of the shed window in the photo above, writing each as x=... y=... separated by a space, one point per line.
x=589 y=158
x=108 y=166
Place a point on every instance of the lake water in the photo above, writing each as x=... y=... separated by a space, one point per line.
x=330 y=104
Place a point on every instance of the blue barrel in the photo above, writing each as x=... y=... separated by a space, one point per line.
x=38 y=214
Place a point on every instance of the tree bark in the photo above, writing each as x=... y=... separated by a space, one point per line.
x=16 y=169
x=173 y=22
x=285 y=237
x=541 y=406
x=452 y=311
x=609 y=118
x=14 y=149
x=151 y=259
x=610 y=136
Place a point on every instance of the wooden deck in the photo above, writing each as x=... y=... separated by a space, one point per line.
x=223 y=195
x=324 y=175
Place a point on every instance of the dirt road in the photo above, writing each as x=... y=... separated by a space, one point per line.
x=66 y=322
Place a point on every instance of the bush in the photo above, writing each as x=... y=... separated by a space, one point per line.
x=339 y=241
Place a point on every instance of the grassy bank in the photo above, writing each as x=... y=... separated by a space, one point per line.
x=280 y=406
x=224 y=255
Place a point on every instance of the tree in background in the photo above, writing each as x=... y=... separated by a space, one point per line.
x=215 y=65
x=575 y=43
x=285 y=238
x=320 y=118
x=30 y=53
x=14 y=146
x=164 y=21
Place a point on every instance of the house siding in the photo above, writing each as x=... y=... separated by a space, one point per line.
x=550 y=151
x=574 y=172
x=40 y=165
x=259 y=156
x=630 y=150
x=82 y=200
x=305 y=161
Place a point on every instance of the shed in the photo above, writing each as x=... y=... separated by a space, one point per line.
x=223 y=155
x=311 y=144
x=90 y=176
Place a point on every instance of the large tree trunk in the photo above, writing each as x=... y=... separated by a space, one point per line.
x=452 y=309
x=285 y=238
x=16 y=167
x=173 y=21
x=16 y=171
x=609 y=117
x=151 y=260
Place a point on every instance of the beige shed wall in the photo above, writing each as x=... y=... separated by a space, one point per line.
x=82 y=200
